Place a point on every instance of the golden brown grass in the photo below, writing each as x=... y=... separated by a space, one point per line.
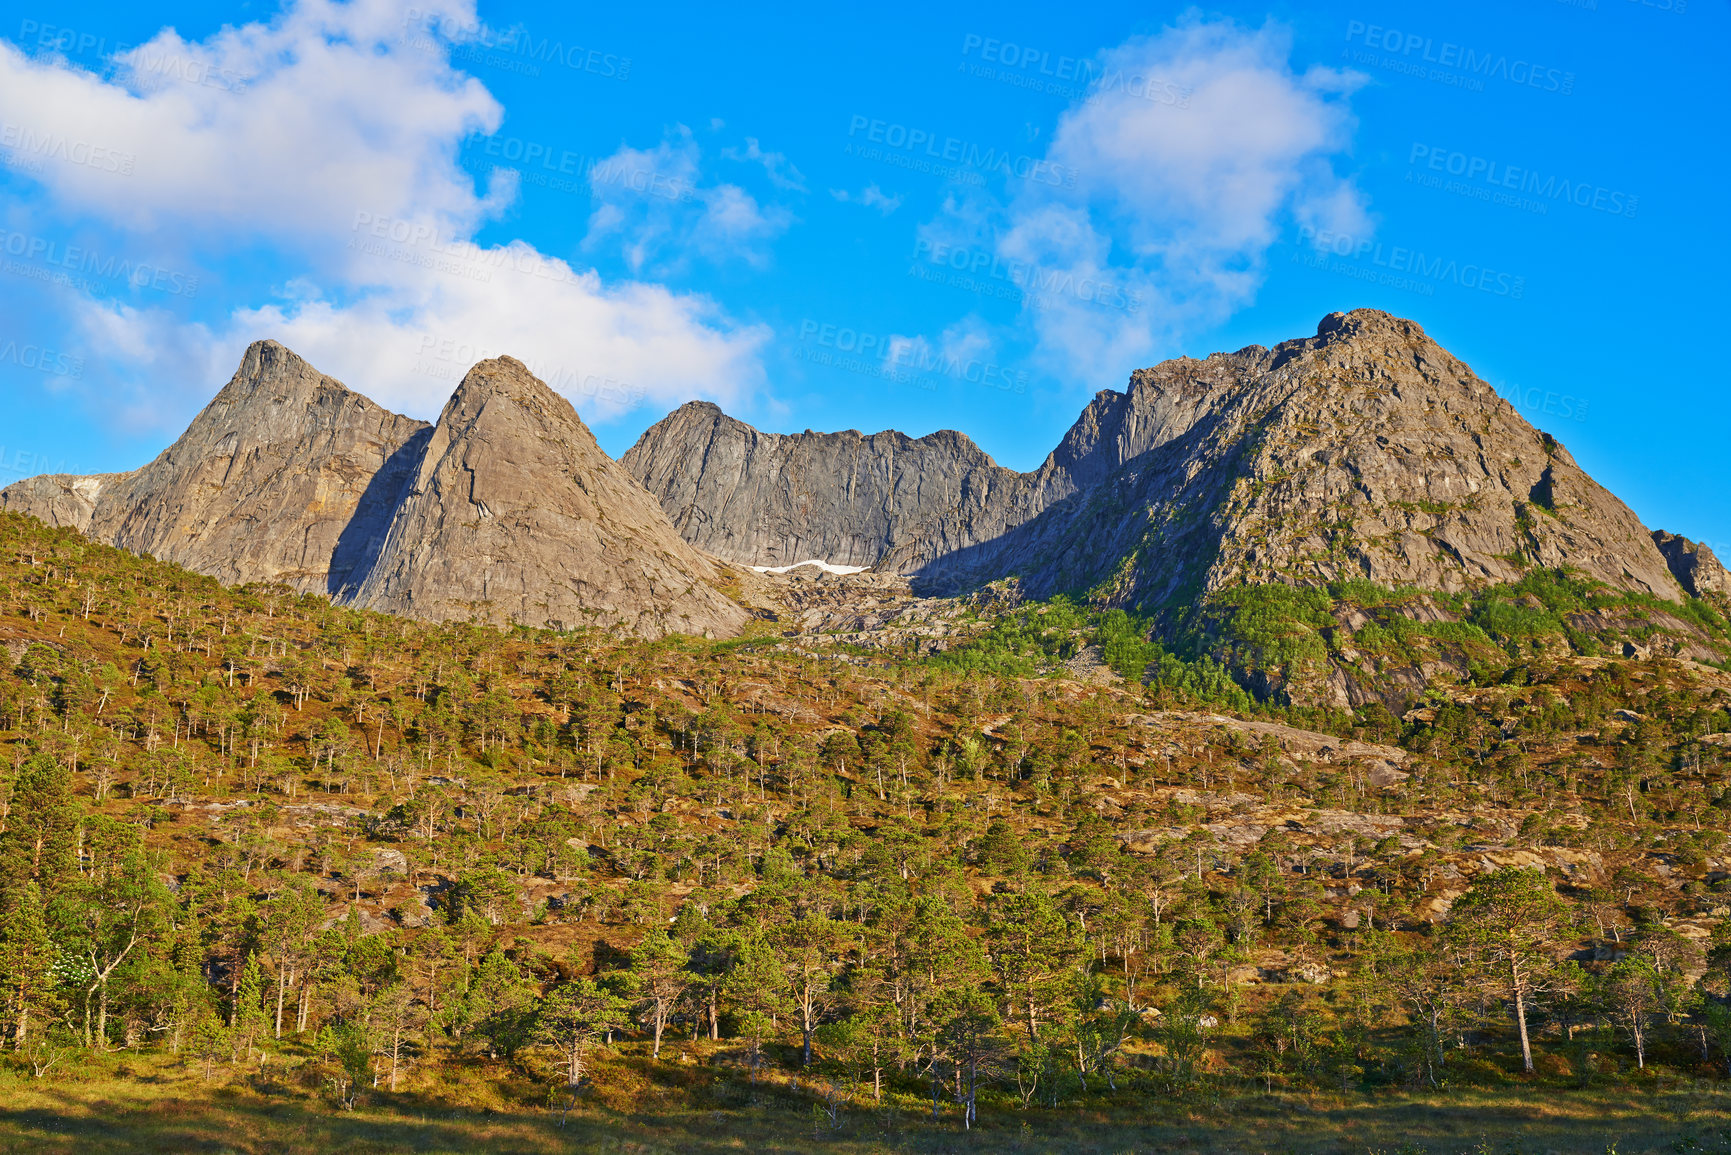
x=161 y=1106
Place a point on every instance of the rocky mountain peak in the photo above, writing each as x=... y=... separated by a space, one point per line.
x=1696 y=567
x=1364 y=451
x=1369 y=324
x=508 y=378
x=266 y=484
x=274 y=368
x=515 y=514
x=507 y=509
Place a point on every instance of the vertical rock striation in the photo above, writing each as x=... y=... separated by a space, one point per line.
x=260 y=487
x=1366 y=451
x=515 y=514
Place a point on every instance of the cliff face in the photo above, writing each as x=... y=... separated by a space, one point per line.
x=515 y=514
x=846 y=498
x=507 y=510
x=1696 y=568
x=261 y=487
x=1367 y=451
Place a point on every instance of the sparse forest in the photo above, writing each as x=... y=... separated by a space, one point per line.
x=456 y=886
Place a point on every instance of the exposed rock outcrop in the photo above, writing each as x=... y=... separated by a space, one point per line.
x=507 y=510
x=264 y=485
x=515 y=514
x=845 y=498
x=1366 y=451
x=1696 y=568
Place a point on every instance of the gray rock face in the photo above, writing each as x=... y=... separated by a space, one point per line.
x=63 y=500
x=844 y=498
x=263 y=485
x=515 y=514
x=1695 y=567
x=506 y=510
x=1366 y=451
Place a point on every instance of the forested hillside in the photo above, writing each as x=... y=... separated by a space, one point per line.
x=355 y=861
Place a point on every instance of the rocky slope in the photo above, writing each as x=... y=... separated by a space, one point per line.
x=507 y=510
x=1696 y=568
x=907 y=505
x=845 y=498
x=277 y=479
x=515 y=514
x=1367 y=451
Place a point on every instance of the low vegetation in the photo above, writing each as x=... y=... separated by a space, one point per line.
x=275 y=875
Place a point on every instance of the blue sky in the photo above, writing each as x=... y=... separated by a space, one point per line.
x=879 y=216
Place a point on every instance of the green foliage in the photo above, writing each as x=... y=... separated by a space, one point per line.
x=456 y=853
x=1025 y=642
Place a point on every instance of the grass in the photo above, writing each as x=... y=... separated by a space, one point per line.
x=163 y=1106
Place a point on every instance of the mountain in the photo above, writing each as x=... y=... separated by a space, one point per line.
x=516 y=514
x=506 y=510
x=1366 y=451
x=845 y=498
x=271 y=482
x=1696 y=568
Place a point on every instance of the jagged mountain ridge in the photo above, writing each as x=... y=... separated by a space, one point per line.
x=516 y=513
x=885 y=500
x=289 y=476
x=1366 y=451
x=275 y=480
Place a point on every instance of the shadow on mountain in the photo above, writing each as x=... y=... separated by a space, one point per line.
x=1143 y=529
x=359 y=544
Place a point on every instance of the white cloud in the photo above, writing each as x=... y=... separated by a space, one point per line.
x=336 y=113
x=1233 y=136
x=407 y=346
x=1179 y=171
x=902 y=351
x=960 y=349
x=781 y=171
x=338 y=153
x=653 y=204
x=872 y=197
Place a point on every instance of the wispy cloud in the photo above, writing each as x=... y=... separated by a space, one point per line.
x=336 y=162
x=656 y=208
x=781 y=171
x=1176 y=201
x=871 y=197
